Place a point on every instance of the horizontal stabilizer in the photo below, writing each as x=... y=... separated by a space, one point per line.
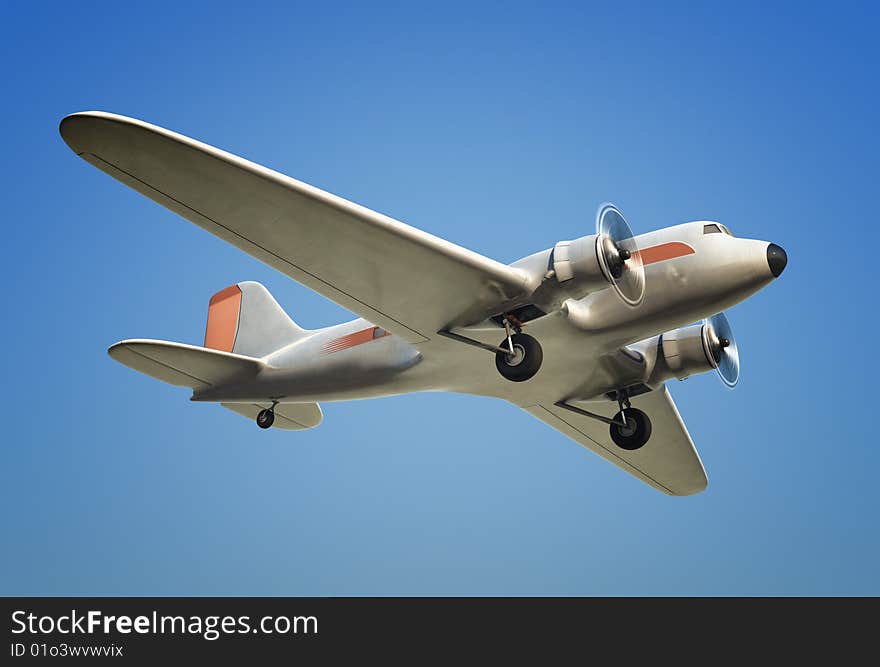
x=183 y=365
x=288 y=416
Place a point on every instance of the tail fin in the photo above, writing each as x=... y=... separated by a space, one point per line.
x=245 y=319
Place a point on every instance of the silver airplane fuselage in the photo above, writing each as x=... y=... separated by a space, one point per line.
x=692 y=271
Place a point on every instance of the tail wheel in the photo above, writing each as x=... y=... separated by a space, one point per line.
x=636 y=432
x=525 y=360
x=266 y=418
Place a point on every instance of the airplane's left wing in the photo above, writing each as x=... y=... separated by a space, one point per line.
x=401 y=278
x=668 y=461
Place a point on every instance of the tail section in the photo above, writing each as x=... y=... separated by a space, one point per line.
x=245 y=319
x=244 y=324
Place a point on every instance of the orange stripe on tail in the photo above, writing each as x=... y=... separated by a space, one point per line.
x=223 y=311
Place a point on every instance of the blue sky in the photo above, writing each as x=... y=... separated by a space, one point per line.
x=500 y=127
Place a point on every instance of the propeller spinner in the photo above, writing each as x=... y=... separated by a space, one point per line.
x=619 y=255
x=721 y=347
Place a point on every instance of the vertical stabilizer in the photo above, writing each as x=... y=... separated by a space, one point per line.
x=245 y=319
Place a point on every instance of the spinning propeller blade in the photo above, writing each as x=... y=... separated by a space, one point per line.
x=721 y=345
x=619 y=255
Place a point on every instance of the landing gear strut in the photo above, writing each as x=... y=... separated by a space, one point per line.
x=518 y=357
x=631 y=428
x=521 y=360
x=266 y=417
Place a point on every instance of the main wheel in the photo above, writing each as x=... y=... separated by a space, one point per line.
x=525 y=360
x=266 y=418
x=636 y=432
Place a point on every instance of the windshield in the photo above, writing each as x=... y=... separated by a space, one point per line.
x=715 y=228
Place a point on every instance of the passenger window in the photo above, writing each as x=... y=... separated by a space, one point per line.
x=712 y=229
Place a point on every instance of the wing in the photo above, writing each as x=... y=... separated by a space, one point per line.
x=396 y=276
x=669 y=461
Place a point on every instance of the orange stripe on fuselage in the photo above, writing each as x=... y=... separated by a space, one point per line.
x=664 y=251
x=352 y=339
x=223 y=310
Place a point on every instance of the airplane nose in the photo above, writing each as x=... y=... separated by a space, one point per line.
x=777 y=259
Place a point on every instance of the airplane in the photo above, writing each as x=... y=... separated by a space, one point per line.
x=584 y=334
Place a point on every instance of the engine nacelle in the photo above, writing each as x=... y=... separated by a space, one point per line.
x=587 y=264
x=679 y=353
x=684 y=352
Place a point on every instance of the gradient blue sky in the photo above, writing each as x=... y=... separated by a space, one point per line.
x=499 y=127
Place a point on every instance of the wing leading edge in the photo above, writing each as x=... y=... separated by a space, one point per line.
x=401 y=278
x=669 y=462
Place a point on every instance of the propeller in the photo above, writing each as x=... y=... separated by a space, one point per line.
x=619 y=255
x=721 y=346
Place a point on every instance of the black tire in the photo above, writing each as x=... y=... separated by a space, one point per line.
x=266 y=418
x=637 y=433
x=525 y=363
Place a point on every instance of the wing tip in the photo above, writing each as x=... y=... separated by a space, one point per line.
x=117 y=349
x=77 y=129
x=72 y=126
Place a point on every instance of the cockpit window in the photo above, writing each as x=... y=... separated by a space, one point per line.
x=714 y=228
